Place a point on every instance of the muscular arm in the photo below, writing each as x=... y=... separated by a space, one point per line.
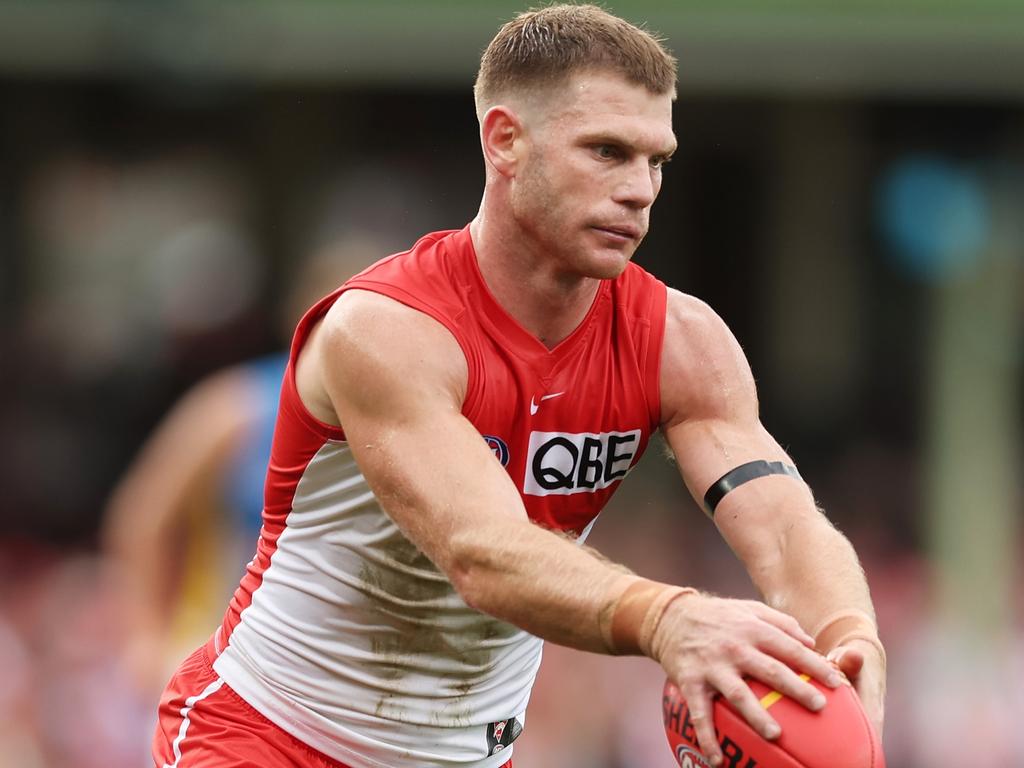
x=798 y=561
x=396 y=379
x=174 y=475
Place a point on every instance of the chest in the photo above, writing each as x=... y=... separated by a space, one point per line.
x=567 y=428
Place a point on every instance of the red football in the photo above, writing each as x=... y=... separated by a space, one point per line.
x=839 y=736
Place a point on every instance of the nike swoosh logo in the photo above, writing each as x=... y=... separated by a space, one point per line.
x=534 y=406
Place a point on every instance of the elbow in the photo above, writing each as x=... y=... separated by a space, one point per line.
x=471 y=582
x=472 y=591
x=474 y=571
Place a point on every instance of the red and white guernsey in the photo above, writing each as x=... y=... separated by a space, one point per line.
x=341 y=631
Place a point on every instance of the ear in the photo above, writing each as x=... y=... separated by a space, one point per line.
x=501 y=135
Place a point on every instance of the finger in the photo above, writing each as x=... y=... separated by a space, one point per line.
x=701 y=715
x=802 y=659
x=783 y=679
x=782 y=621
x=849 y=660
x=743 y=700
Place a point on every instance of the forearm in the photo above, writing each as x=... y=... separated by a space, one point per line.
x=544 y=583
x=807 y=569
x=815 y=576
x=819 y=581
x=463 y=512
x=458 y=505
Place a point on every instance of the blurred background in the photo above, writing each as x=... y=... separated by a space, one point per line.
x=178 y=178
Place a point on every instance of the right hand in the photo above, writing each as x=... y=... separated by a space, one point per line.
x=707 y=645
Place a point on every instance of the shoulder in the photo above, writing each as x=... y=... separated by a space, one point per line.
x=704 y=372
x=695 y=332
x=688 y=314
x=219 y=402
x=365 y=319
x=369 y=345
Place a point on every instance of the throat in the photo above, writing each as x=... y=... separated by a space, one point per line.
x=545 y=299
x=553 y=322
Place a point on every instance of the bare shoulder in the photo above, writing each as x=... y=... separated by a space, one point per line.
x=209 y=416
x=226 y=391
x=371 y=351
x=688 y=314
x=704 y=373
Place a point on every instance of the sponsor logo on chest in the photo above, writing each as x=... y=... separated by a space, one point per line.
x=561 y=463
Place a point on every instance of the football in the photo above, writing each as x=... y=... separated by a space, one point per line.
x=839 y=736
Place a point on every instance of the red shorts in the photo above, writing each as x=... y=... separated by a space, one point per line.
x=202 y=723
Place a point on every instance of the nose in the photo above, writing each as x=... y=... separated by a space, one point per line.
x=639 y=185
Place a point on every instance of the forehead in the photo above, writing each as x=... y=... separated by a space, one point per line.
x=609 y=104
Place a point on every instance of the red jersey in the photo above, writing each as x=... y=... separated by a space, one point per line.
x=567 y=423
x=345 y=635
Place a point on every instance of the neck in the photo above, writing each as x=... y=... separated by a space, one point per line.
x=530 y=285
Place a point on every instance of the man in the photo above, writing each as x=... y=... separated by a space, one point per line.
x=408 y=569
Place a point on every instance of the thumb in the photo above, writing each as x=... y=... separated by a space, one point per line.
x=850 y=661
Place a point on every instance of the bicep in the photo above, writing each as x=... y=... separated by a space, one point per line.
x=712 y=426
x=707 y=449
x=398 y=396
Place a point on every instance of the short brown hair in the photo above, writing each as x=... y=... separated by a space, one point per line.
x=544 y=46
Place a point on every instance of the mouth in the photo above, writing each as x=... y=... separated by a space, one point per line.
x=619 y=232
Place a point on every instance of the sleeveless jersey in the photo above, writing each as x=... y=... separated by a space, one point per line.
x=343 y=633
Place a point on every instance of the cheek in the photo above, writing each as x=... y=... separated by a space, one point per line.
x=530 y=195
x=656 y=181
x=554 y=194
x=538 y=194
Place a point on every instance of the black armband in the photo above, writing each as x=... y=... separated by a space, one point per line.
x=744 y=473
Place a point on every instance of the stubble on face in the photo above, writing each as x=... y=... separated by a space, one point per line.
x=550 y=216
x=560 y=193
x=535 y=201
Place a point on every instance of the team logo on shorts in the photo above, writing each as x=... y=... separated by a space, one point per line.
x=498 y=448
x=690 y=758
x=501 y=734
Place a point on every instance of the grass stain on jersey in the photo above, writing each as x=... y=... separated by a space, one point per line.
x=427 y=623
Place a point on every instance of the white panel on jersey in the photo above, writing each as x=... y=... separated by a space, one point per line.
x=360 y=647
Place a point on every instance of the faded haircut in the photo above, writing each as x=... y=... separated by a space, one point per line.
x=545 y=46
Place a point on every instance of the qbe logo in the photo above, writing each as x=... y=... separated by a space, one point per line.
x=560 y=463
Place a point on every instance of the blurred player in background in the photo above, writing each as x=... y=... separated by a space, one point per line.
x=183 y=520
x=452 y=422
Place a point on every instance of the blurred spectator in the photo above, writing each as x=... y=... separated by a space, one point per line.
x=131 y=266
x=129 y=256
x=65 y=699
x=185 y=517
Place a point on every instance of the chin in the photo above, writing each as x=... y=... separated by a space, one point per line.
x=606 y=258
x=604 y=271
x=607 y=265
